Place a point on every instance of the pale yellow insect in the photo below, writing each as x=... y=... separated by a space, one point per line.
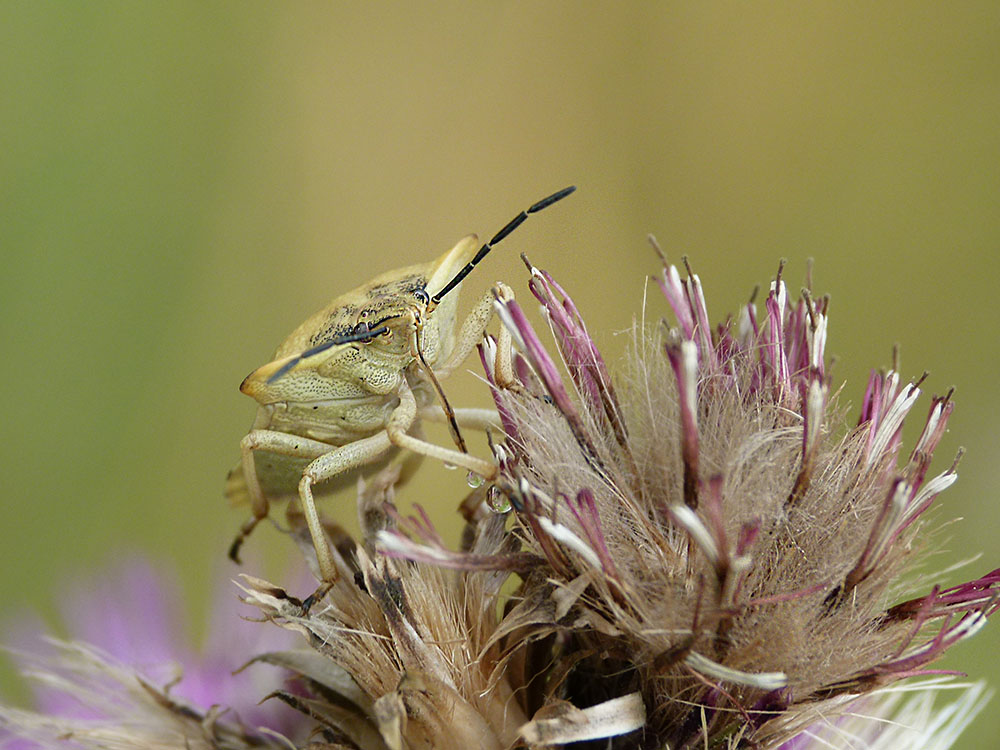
x=350 y=386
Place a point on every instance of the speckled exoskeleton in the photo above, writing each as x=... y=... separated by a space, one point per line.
x=350 y=386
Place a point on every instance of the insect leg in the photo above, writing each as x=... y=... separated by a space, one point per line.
x=473 y=328
x=501 y=357
x=474 y=419
x=275 y=442
x=503 y=364
x=327 y=466
x=402 y=419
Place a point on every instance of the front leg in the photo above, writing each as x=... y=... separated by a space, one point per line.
x=403 y=418
x=471 y=335
x=473 y=330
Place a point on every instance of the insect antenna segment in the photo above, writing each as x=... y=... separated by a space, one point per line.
x=432 y=302
x=367 y=334
x=510 y=227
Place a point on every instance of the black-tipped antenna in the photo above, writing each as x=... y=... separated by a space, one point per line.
x=511 y=226
x=366 y=334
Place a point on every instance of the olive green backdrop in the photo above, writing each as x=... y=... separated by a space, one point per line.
x=181 y=184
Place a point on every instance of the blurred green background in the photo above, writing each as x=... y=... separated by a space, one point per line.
x=181 y=184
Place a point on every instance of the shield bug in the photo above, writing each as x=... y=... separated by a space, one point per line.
x=350 y=386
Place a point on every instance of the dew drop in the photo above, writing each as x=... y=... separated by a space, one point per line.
x=449 y=466
x=474 y=480
x=497 y=501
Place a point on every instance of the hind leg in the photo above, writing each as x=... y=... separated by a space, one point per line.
x=275 y=442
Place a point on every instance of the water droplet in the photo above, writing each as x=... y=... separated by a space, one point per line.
x=474 y=480
x=449 y=466
x=497 y=501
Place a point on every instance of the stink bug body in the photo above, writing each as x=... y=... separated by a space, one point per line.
x=350 y=386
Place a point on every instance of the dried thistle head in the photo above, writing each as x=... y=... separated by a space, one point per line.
x=404 y=655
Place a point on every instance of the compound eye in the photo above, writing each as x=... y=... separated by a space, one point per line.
x=422 y=296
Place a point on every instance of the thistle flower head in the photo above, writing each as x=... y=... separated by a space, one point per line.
x=735 y=550
x=130 y=677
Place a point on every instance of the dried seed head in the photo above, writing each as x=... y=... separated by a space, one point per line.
x=406 y=655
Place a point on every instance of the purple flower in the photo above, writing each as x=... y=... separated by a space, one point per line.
x=744 y=547
x=129 y=624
